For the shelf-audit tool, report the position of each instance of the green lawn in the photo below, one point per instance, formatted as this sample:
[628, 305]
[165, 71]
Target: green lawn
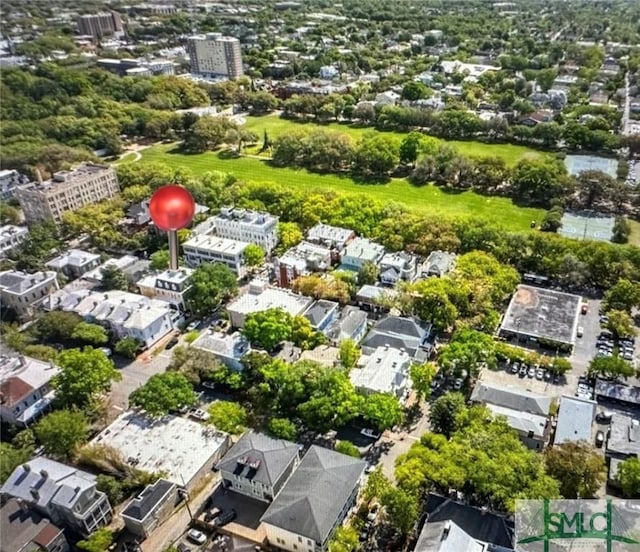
[634, 237]
[274, 125]
[428, 199]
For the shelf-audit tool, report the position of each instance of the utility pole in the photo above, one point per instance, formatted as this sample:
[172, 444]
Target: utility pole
[186, 495]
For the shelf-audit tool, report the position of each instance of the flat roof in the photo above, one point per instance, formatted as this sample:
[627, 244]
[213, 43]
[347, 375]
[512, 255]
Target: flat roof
[177, 446]
[575, 418]
[270, 298]
[215, 244]
[543, 313]
[624, 435]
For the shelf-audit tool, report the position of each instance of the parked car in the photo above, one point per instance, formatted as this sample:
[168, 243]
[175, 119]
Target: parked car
[370, 433]
[208, 385]
[599, 439]
[225, 517]
[523, 371]
[457, 384]
[531, 372]
[172, 343]
[199, 414]
[585, 308]
[183, 548]
[580, 332]
[196, 536]
[193, 326]
[515, 367]
[540, 373]
[604, 417]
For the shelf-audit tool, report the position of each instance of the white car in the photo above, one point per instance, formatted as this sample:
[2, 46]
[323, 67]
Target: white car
[370, 433]
[580, 331]
[199, 414]
[196, 536]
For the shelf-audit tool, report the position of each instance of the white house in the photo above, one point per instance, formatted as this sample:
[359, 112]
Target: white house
[359, 251]
[66, 495]
[25, 390]
[229, 349]
[575, 419]
[314, 501]
[261, 297]
[247, 226]
[389, 97]
[397, 266]
[22, 292]
[301, 260]
[74, 263]
[385, 371]
[169, 285]
[332, 237]
[205, 248]
[11, 236]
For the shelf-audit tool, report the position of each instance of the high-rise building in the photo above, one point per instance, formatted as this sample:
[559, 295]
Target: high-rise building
[214, 55]
[100, 24]
[67, 191]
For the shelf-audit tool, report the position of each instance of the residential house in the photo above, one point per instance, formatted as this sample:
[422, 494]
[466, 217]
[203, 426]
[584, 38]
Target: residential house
[25, 390]
[328, 72]
[314, 501]
[261, 297]
[384, 371]
[575, 420]
[326, 355]
[388, 97]
[151, 508]
[65, 495]
[74, 263]
[24, 530]
[321, 314]
[23, 292]
[332, 237]
[438, 263]
[397, 266]
[183, 449]
[228, 348]
[301, 260]
[139, 215]
[258, 466]
[352, 324]
[125, 314]
[11, 237]
[534, 119]
[10, 180]
[360, 251]
[408, 334]
[124, 263]
[205, 248]
[247, 226]
[456, 527]
[170, 286]
[375, 299]
[525, 411]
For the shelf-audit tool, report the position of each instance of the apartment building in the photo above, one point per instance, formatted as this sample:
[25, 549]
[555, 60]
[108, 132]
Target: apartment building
[11, 236]
[247, 226]
[21, 291]
[100, 24]
[214, 249]
[67, 191]
[215, 55]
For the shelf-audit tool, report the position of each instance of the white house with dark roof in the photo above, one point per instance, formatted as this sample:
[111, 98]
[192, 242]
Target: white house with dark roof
[397, 266]
[314, 501]
[384, 371]
[360, 251]
[438, 263]
[169, 285]
[11, 236]
[408, 334]
[25, 390]
[575, 420]
[321, 314]
[22, 291]
[228, 348]
[258, 466]
[332, 237]
[74, 263]
[352, 324]
[66, 495]
[150, 508]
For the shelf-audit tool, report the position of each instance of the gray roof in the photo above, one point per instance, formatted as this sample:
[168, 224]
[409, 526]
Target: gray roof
[446, 536]
[350, 321]
[511, 397]
[524, 422]
[575, 418]
[624, 435]
[273, 455]
[439, 262]
[141, 506]
[312, 500]
[401, 333]
[20, 527]
[42, 481]
[618, 392]
[317, 312]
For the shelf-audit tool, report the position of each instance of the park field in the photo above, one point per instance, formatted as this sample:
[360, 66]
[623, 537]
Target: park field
[427, 199]
[274, 125]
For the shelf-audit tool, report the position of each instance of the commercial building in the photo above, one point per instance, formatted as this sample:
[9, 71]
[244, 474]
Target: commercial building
[22, 292]
[185, 450]
[151, 508]
[261, 297]
[214, 249]
[100, 24]
[214, 55]
[65, 495]
[258, 466]
[575, 419]
[74, 263]
[314, 501]
[247, 226]
[24, 530]
[542, 315]
[25, 390]
[67, 191]
[10, 237]
[170, 286]
[385, 371]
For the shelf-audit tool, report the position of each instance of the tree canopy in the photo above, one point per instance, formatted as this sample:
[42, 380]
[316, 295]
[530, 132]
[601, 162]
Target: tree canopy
[578, 467]
[164, 393]
[62, 431]
[211, 284]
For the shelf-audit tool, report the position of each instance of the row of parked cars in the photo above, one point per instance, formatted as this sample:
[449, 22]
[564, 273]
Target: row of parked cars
[522, 369]
[606, 345]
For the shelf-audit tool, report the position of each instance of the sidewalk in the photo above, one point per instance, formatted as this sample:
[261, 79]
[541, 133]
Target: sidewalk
[171, 530]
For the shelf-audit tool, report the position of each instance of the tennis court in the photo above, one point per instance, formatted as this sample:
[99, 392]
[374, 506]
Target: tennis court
[578, 163]
[587, 227]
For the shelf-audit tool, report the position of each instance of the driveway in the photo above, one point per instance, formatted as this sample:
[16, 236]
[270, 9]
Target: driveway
[585, 347]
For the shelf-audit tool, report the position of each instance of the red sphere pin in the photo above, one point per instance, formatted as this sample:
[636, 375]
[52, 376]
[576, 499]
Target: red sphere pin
[172, 207]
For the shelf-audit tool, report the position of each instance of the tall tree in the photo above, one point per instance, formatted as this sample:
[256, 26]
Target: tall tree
[368, 274]
[402, 508]
[113, 278]
[345, 539]
[578, 467]
[164, 393]
[349, 353]
[61, 431]
[610, 367]
[629, 477]
[253, 255]
[282, 428]
[94, 334]
[421, 377]
[211, 284]
[620, 323]
[383, 410]
[624, 295]
[445, 413]
[228, 416]
[268, 328]
[84, 376]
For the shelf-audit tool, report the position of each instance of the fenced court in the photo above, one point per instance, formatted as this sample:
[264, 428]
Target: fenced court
[578, 163]
[584, 226]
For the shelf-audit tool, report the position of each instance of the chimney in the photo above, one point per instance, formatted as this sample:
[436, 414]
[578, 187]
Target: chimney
[35, 494]
[44, 474]
[26, 467]
[446, 529]
[22, 360]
